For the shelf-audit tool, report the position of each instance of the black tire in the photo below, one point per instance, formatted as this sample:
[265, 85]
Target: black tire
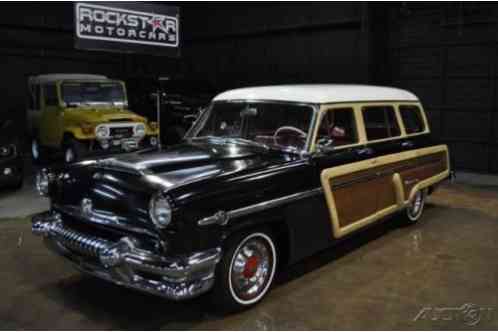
[73, 150]
[413, 212]
[18, 185]
[37, 152]
[225, 295]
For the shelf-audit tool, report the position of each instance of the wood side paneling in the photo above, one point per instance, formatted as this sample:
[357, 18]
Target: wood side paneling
[360, 194]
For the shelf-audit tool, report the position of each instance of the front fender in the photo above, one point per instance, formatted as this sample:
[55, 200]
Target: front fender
[77, 133]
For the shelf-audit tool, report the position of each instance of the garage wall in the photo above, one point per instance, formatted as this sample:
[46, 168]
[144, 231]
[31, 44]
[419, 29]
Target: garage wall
[251, 44]
[447, 54]
[37, 38]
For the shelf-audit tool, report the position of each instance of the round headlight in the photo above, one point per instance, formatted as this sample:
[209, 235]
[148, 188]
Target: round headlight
[43, 182]
[160, 211]
[140, 129]
[4, 151]
[102, 132]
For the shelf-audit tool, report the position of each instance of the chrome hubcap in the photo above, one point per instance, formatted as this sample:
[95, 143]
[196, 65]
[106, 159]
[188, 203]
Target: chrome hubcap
[416, 206]
[34, 149]
[251, 268]
[69, 155]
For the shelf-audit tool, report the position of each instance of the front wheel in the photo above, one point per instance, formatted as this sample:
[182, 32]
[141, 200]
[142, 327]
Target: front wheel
[415, 209]
[37, 153]
[246, 271]
[73, 150]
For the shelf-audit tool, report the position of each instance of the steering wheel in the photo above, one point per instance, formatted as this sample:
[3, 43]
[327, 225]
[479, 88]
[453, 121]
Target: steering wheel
[289, 128]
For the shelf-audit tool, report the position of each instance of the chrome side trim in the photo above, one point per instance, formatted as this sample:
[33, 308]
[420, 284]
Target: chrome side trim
[222, 217]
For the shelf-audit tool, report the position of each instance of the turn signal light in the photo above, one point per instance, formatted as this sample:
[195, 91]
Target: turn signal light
[87, 129]
[153, 125]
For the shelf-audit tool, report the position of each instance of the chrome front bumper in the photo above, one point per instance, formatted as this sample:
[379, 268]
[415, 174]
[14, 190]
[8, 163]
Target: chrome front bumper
[126, 264]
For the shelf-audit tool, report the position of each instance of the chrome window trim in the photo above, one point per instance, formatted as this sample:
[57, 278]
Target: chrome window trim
[222, 217]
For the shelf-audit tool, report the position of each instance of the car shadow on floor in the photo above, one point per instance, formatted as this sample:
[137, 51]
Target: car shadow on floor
[120, 308]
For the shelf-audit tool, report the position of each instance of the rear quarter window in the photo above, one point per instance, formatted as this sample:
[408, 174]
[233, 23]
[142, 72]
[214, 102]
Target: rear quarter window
[380, 122]
[412, 118]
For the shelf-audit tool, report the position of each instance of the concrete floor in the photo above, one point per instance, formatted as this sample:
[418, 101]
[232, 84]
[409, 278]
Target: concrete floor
[381, 279]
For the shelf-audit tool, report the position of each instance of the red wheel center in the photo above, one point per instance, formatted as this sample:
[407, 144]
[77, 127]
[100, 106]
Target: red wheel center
[251, 267]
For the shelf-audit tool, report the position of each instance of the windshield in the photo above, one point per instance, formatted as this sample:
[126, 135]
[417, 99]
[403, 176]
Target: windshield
[276, 125]
[75, 93]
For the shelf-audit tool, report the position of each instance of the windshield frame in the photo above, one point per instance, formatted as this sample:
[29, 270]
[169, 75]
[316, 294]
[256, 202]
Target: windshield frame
[92, 103]
[197, 125]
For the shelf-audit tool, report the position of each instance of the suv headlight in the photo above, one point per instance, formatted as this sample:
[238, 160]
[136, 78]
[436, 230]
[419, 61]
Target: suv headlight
[140, 129]
[6, 151]
[160, 211]
[102, 132]
[42, 181]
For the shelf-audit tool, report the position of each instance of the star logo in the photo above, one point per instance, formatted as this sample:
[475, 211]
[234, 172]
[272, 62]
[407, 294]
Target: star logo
[157, 23]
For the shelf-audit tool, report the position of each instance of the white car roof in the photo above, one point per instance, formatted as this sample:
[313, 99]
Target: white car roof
[318, 93]
[48, 78]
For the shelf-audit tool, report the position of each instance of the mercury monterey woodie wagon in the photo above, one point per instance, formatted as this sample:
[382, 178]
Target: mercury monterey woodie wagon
[265, 177]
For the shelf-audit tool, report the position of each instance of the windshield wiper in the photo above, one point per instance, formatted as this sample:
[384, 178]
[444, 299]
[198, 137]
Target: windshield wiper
[247, 142]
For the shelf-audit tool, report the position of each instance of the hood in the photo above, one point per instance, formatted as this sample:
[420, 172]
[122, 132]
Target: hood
[125, 183]
[100, 114]
[189, 162]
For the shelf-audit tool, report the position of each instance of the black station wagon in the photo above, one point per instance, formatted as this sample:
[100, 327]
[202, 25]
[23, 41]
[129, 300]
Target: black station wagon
[265, 177]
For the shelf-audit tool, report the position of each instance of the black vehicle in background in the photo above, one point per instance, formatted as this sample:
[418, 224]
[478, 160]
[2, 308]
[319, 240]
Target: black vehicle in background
[11, 163]
[181, 101]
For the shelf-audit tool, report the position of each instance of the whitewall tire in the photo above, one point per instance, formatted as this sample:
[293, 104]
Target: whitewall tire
[246, 272]
[415, 209]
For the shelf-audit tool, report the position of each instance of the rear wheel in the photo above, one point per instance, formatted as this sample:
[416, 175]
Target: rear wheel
[415, 209]
[246, 271]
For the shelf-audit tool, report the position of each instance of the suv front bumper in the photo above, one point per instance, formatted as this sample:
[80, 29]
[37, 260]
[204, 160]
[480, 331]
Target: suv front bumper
[126, 264]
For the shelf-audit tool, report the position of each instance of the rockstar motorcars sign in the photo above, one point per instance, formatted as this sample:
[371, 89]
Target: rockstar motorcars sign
[128, 27]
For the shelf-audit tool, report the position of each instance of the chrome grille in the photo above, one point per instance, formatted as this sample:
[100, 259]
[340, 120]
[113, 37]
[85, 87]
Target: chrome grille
[121, 132]
[84, 244]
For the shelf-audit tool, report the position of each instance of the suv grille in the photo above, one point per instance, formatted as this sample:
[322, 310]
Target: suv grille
[123, 132]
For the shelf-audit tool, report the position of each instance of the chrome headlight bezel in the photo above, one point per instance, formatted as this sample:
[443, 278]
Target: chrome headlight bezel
[42, 182]
[102, 132]
[139, 130]
[160, 211]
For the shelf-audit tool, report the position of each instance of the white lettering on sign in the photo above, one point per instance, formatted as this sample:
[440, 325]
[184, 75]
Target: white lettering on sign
[127, 26]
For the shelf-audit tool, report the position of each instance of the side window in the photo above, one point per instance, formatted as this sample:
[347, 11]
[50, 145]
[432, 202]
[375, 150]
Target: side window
[337, 128]
[380, 122]
[50, 93]
[412, 118]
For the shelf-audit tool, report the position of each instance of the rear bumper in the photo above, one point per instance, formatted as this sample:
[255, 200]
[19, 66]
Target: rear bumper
[126, 264]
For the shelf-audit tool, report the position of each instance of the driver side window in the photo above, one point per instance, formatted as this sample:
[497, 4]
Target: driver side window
[337, 128]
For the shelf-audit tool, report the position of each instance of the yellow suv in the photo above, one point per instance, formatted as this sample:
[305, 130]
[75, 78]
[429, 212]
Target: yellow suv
[79, 115]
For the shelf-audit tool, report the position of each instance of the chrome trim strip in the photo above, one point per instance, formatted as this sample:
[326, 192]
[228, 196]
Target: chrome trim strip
[100, 218]
[222, 217]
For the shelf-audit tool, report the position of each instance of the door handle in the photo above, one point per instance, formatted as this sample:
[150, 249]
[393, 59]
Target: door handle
[407, 144]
